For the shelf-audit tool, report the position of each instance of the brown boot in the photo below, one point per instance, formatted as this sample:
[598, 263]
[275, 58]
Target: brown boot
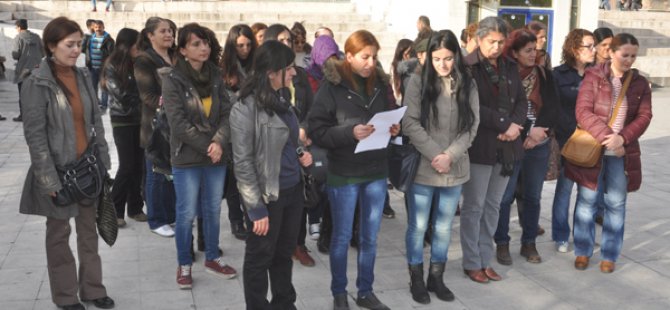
[581, 262]
[502, 254]
[302, 255]
[529, 251]
[606, 266]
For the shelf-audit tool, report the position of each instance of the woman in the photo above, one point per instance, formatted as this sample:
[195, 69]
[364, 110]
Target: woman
[325, 48]
[441, 122]
[268, 175]
[602, 37]
[352, 92]
[403, 52]
[578, 53]
[539, 29]
[125, 113]
[258, 30]
[238, 53]
[60, 119]
[197, 109]
[300, 98]
[502, 111]
[529, 172]
[300, 45]
[619, 171]
[157, 46]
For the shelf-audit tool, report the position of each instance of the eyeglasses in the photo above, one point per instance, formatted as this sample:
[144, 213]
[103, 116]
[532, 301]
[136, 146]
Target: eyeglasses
[589, 47]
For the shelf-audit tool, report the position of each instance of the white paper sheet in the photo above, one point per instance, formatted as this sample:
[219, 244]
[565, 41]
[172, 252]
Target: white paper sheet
[382, 121]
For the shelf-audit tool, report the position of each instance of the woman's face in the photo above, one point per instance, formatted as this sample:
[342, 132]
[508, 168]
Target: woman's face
[624, 57]
[541, 39]
[275, 77]
[491, 45]
[602, 49]
[259, 36]
[586, 52]
[406, 54]
[364, 61]
[67, 50]
[243, 47]
[197, 50]
[443, 61]
[526, 55]
[134, 51]
[299, 44]
[285, 38]
[162, 37]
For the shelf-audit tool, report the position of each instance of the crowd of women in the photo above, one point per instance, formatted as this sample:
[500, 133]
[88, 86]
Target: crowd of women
[241, 121]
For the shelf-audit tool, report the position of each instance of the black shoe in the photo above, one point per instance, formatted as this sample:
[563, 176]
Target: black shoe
[238, 230]
[371, 301]
[77, 306]
[2, 118]
[435, 282]
[103, 302]
[416, 285]
[340, 302]
[388, 212]
[17, 119]
[323, 244]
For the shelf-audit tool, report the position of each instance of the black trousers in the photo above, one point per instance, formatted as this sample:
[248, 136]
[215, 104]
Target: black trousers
[271, 254]
[128, 180]
[232, 195]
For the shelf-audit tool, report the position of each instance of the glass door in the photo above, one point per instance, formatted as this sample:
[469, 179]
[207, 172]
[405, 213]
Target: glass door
[518, 18]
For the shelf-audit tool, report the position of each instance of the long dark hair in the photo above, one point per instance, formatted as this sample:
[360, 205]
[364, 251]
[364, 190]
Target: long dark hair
[400, 49]
[432, 86]
[121, 58]
[271, 56]
[272, 33]
[55, 31]
[230, 59]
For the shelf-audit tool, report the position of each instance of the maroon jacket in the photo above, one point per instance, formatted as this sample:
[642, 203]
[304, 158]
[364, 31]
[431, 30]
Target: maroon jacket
[594, 105]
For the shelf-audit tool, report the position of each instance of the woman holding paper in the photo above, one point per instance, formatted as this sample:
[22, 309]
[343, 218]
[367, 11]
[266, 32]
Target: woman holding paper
[441, 122]
[353, 91]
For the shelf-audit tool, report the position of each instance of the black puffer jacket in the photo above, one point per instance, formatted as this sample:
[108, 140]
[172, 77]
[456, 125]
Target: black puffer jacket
[124, 102]
[336, 111]
[191, 132]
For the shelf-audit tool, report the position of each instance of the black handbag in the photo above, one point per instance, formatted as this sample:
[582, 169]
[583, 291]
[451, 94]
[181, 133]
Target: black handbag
[312, 191]
[158, 148]
[108, 227]
[403, 164]
[82, 180]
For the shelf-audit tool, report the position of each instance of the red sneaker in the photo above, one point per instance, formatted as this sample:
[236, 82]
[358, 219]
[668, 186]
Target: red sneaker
[220, 268]
[184, 280]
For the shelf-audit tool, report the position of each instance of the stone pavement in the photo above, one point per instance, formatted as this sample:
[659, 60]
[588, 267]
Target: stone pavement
[140, 268]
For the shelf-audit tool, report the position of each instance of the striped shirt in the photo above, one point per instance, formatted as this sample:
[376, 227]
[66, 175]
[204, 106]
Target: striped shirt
[96, 53]
[621, 116]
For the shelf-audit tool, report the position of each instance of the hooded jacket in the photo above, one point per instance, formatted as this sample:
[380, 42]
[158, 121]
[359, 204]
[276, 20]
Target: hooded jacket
[336, 111]
[593, 111]
[28, 52]
[191, 131]
[48, 127]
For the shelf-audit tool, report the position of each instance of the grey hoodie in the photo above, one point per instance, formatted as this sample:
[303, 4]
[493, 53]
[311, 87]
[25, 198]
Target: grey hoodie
[28, 52]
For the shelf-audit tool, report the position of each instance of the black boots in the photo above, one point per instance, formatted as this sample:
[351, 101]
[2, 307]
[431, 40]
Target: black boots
[435, 282]
[416, 285]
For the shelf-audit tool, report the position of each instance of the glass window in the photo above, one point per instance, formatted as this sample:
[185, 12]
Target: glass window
[473, 12]
[534, 3]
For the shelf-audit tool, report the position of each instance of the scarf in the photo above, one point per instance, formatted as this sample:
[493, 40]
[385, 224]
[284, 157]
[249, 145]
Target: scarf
[531, 85]
[202, 80]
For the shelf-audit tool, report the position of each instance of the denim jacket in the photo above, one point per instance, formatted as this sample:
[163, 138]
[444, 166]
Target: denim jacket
[258, 140]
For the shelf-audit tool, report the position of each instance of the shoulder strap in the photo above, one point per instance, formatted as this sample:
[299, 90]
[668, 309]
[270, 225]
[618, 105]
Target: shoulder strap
[619, 100]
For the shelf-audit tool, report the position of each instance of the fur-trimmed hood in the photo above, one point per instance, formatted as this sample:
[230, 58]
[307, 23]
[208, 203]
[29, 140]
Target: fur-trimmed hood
[331, 72]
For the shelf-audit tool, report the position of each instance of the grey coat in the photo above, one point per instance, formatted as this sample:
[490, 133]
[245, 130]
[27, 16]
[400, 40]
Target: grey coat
[48, 127]
[443, 138]
[28, 53]
[258, 140]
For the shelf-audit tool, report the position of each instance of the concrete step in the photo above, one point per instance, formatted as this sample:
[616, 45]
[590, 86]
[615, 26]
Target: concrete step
[656, 66]
[656, 51]
[633, 15]
[636, 31]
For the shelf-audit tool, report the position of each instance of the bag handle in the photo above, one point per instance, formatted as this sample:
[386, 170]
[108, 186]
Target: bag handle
[619, 100]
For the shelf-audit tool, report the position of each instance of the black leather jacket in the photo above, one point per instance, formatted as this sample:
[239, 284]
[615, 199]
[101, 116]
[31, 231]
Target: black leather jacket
[124, 102]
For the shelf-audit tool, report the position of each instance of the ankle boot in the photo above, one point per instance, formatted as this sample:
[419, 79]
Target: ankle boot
[201, 236]
[436, 283]
[416, 285]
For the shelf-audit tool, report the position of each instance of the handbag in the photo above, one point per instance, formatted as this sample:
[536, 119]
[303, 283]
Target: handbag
[582, 149]
[108, 227]
[403, 164]
[312, 191]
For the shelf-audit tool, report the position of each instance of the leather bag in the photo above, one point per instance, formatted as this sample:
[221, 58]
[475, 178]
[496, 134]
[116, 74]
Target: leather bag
[108, 227]
[403, 164]
[582, 149]
[81, 180]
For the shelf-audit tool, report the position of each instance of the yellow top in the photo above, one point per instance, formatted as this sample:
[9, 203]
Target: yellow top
[207, 105]
[291, 89]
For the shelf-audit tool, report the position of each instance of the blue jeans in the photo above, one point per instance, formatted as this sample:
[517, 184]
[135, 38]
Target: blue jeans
[614, 185]
[95, 78]
[109, 3]
[159, 196]
[370, 196]
[532, 170]
[560, 210]
[420, 200]
[193, 186]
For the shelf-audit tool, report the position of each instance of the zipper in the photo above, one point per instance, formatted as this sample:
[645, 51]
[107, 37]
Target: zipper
[367, 105]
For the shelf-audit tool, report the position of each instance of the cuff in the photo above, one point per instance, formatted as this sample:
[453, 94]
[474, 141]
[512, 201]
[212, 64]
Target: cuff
[257, 213]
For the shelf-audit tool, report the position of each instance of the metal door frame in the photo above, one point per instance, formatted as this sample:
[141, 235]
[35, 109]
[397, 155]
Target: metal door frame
[529, 12]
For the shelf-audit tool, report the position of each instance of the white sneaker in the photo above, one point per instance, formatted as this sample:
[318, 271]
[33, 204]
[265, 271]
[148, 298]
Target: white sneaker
[164, 231]
[315, 231]
[562, 246]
